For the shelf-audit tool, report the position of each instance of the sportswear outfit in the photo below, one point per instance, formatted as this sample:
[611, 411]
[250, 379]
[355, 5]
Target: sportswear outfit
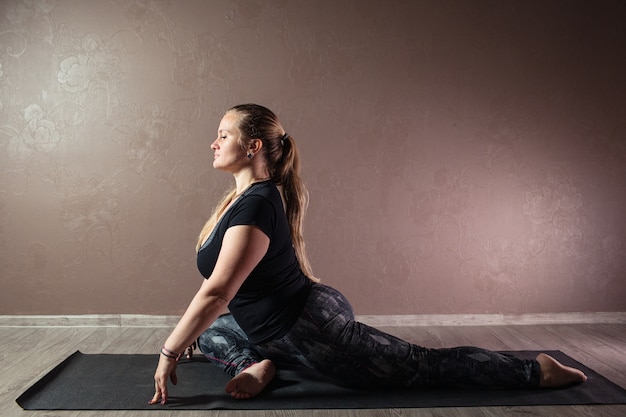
[280, 314]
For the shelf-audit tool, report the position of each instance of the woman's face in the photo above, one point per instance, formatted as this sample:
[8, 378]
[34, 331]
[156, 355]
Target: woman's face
[228, 154]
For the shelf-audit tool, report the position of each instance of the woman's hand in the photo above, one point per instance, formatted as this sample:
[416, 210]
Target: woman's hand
[166, 369]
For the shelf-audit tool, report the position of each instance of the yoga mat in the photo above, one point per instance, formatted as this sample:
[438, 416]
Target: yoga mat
[125, 382]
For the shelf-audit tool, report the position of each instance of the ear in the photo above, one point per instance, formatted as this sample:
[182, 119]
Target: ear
[255, 145]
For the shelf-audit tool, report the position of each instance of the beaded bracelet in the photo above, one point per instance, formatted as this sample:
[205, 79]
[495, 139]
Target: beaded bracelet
[169, 354]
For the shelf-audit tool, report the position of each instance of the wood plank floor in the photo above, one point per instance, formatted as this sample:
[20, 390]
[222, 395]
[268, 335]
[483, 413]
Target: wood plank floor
[28, 353]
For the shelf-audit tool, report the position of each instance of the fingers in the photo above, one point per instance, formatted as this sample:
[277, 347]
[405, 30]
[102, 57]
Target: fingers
[190, 350]
[156, 398]
[159, 394]
[160, 391]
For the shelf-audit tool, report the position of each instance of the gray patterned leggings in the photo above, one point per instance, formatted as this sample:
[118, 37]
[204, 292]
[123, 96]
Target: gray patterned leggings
[326, 338]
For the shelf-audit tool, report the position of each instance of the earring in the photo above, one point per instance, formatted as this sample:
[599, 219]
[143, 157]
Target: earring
[250, 155]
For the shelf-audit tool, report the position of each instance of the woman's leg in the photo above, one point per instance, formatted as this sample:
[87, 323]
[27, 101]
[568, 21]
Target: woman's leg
[226, 345]
[328, 339]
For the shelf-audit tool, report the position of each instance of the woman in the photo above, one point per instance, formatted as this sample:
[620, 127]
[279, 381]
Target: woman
[252, 253]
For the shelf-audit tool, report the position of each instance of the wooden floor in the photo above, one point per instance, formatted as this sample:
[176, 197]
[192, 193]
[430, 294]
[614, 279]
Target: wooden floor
[27, 353]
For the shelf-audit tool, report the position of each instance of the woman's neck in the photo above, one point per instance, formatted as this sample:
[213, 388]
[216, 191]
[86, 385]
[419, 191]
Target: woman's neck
[243, 180]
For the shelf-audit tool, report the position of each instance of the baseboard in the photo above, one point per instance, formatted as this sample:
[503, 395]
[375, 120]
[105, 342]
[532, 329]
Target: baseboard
[495, 319]
[137, 320]
[89, 320]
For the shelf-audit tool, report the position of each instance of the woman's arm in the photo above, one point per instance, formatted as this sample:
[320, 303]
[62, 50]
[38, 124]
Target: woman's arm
[243, 247]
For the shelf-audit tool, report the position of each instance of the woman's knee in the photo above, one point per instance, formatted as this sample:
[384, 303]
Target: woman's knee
[224, 332]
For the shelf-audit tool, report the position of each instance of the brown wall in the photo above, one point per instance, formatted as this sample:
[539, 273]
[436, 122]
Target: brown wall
[462, 156]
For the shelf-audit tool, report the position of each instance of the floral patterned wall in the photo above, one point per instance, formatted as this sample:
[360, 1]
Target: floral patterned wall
[462, 156]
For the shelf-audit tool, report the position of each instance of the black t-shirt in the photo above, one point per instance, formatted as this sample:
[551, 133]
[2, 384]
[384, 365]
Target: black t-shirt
[272, 297]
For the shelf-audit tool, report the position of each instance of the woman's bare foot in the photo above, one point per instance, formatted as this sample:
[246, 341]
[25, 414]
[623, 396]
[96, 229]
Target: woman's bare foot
[251, 381]
[555, 374]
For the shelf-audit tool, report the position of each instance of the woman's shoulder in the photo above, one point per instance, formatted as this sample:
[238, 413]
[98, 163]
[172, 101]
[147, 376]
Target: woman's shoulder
[261, 207]
[264, 194]
[267, 189]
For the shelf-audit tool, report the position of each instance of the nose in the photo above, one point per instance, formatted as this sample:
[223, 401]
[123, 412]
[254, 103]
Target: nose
[214, 144]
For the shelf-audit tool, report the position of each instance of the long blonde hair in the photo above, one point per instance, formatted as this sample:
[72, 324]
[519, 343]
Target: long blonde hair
[283, 163]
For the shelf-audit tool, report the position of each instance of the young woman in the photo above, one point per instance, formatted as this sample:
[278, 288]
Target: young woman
[252, 254]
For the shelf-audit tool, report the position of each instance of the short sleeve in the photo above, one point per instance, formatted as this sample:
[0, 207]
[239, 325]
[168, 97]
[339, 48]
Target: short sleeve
[255, 210]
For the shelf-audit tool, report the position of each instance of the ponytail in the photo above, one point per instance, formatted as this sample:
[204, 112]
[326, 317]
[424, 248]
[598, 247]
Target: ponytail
[287, 174]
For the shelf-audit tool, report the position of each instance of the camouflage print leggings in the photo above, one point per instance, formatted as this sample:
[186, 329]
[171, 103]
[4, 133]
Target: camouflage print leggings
[327, 339]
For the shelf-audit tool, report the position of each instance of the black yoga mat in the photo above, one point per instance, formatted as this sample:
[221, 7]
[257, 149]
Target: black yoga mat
[124, 382]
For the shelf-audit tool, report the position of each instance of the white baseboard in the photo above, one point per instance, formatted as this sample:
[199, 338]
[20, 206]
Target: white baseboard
[137, 320]
[494, 319]
[89, 320]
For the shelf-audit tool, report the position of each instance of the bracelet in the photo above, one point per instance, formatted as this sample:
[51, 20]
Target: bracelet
[169, 354]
